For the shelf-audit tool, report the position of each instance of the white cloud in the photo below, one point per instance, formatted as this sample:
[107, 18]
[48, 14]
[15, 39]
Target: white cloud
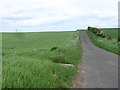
[48, 13]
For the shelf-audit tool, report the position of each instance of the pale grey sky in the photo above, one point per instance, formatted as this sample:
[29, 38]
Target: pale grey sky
[50, 15]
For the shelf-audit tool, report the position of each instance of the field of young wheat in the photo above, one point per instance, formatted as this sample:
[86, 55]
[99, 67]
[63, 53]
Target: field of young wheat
[36, 60]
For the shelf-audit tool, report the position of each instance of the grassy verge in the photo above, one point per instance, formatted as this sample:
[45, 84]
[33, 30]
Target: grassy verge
[30, 63]
[109, 45]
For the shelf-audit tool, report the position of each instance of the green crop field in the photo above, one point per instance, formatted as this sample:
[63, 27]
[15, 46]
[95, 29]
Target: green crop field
[38, 40]
[34, 60]
[113, 32]
[110, 45]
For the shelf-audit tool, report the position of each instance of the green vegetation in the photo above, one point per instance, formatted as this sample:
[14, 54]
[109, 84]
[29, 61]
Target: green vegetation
[0, 60]
[33, 60]
[113, 32]
[110, 44]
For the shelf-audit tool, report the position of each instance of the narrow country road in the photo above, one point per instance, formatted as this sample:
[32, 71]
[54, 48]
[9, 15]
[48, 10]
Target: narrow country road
[100, 67]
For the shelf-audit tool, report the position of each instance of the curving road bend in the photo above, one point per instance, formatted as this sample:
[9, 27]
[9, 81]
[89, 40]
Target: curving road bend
[100, 66]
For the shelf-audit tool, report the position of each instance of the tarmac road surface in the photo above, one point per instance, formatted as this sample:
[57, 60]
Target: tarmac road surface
[100, 66]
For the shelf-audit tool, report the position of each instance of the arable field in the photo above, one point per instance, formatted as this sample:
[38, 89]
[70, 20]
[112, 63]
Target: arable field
[113, 32]
[35, 60]
[110, 45]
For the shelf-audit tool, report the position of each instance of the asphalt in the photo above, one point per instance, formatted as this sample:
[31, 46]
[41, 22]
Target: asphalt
[100, 67]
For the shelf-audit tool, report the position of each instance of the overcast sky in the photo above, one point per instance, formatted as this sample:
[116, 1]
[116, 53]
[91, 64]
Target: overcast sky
[50, 15]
